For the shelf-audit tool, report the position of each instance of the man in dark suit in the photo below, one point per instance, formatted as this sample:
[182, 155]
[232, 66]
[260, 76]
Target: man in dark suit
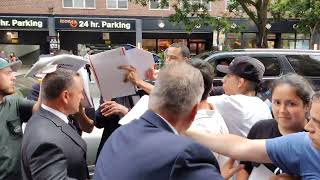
[151, 147]
[51, 147]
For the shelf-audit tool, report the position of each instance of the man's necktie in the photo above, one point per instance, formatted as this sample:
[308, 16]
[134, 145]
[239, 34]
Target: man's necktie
[71, 124]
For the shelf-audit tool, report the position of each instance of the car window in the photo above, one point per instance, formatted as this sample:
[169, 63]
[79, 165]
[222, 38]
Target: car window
[271, 64]
[222, 61]
[305, 65]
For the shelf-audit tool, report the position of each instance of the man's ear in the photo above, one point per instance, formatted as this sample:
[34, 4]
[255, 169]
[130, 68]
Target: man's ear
[241, 82]
[307, 108]
[65, 96]
[193, 112]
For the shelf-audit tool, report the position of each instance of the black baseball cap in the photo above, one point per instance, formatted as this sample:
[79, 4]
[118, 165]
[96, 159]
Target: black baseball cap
[246, 67]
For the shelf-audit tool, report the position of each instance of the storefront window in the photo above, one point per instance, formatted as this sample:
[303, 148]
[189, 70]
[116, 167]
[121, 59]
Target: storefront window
[163, 44]
[303, 36]
[287, 44]
[149, 45]
[290, 41]
[302, 44]
[156, 5]
[303, 41]
[287, 36]
[182, 41]
[234, 40]
[249, 40]
[79, 4]
[193, 48]
[117, 4]
[196, 46]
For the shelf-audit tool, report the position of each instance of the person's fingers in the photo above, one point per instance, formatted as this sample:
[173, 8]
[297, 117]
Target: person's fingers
[115, 108]
[104, 110]
[229, 163]
[111, 111]
[127, 67]
[106, 105]
[133, 68]
[236, 169]
[232, 171]
[131, 77]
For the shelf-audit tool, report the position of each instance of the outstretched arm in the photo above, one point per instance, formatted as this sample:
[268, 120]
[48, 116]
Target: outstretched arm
[233, 146]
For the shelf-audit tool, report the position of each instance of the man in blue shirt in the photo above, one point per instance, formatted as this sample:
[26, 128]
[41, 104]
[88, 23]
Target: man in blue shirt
[296, 154]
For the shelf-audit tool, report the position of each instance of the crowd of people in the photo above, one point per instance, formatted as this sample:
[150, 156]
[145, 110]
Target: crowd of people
[183, 134]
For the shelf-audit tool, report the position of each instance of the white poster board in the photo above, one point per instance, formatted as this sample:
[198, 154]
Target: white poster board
[110, 78]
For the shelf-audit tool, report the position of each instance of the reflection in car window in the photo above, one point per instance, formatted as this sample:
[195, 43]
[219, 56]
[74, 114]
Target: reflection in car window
[271, 64]
[305, 65]
[222, 61]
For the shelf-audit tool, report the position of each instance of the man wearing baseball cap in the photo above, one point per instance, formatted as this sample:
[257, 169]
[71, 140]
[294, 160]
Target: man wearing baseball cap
[239, 106]
[14, 110]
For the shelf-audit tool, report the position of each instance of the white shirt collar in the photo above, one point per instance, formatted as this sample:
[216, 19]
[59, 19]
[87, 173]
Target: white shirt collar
[172, 128]
[57, 113]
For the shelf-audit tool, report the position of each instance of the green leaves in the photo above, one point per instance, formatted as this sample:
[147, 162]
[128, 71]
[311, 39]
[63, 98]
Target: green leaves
[308, 11]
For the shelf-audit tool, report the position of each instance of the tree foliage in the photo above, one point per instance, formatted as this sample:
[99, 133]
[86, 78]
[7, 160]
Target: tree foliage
[257, 11]
[194, 13]
[307, 11]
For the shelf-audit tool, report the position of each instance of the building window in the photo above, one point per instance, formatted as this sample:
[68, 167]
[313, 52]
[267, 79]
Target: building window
[79, 3]
[204, 3]
[234, 40]
[232, 4]
[249, 40]
[149, 45]
[117, 4]
[295, 41]
[156, 5]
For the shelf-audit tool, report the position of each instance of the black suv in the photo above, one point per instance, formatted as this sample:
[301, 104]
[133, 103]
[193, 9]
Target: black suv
[276, 61]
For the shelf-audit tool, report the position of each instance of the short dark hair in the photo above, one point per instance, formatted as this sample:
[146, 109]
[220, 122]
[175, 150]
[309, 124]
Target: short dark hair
[184, 49]
[53, 84]
[253, 86]
[303, 88]
[207, 73]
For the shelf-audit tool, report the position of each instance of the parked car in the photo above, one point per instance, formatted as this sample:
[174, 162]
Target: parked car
[276, 61]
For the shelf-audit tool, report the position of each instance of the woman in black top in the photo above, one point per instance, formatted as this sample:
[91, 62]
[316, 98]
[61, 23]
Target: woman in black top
[291, 95]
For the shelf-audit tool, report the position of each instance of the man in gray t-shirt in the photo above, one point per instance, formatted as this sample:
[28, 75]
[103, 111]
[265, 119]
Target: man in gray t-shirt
[14, 111]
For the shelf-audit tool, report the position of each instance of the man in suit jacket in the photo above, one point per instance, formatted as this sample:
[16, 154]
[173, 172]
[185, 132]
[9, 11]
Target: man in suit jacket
[51, 147]
[150, 147]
